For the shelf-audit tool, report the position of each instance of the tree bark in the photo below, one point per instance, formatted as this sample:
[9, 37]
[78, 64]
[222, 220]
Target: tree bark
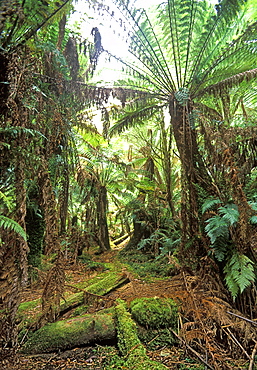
[103, 232]
[196, 178]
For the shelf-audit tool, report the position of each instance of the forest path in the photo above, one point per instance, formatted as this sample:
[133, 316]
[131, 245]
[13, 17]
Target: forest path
[203, 312]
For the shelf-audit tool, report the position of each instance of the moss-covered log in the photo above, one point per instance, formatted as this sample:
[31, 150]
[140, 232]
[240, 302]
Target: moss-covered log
[129, 344]
[67, 334]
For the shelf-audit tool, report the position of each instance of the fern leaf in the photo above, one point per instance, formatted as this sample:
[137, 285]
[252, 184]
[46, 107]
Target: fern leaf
[8, 223]
[209, 203]
[230, 213]
[253, 220]
[239, 273]
[217, 227]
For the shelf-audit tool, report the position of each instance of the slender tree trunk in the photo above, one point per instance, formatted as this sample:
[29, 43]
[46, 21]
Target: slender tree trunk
[9, 295]
[103, 233]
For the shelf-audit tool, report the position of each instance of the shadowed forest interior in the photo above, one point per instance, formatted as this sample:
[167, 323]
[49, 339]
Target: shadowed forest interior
[128, 187]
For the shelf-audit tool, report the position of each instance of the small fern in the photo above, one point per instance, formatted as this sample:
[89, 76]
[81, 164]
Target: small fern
[217, 227]
[239, 274]
[230, 213]
[209, 203]
[8, 223]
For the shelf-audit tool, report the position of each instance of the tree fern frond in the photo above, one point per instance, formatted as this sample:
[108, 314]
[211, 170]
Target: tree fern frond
[14, 131]
[8, 223]
[230, 82]
[253, 220]
[5, 200]
[135, 117]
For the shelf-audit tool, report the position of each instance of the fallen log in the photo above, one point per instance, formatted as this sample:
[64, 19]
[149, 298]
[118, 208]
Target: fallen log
[132, 350]
[67, 334]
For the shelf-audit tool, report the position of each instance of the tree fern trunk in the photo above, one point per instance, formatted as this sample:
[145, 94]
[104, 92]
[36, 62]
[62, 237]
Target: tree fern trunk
[103, 233]
[195, 178]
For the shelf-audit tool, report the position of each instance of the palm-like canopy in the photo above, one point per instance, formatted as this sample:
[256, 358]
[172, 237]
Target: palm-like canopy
[191, 45]
[189, 54]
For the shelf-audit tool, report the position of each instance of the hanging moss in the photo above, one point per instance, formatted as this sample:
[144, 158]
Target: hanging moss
[155, 312]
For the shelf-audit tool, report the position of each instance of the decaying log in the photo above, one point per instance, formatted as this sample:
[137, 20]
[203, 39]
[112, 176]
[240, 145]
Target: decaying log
[72, 333]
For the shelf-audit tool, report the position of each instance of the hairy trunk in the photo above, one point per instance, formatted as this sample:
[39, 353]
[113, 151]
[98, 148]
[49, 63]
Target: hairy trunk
[195, 180]
[49, 206]
[9, 294]
[64, 200]
[103, 233]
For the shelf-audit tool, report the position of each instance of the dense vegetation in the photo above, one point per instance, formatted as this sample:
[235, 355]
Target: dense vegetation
[161, 162]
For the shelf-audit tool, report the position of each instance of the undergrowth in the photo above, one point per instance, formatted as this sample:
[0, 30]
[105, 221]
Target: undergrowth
[146, 265]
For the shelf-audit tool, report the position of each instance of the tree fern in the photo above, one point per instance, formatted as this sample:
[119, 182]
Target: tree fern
[8, 223]
[239, 274]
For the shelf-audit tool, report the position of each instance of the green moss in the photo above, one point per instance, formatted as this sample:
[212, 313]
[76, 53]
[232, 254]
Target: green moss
[129, 343]
[155, 312]
[28, 306]
[156, 338]
[28, 312]
[71, 333]
[146, 265]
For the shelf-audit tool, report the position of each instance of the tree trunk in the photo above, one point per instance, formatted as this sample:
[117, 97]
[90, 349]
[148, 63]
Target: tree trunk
[64, 199]
[103, 233]
[196, 181]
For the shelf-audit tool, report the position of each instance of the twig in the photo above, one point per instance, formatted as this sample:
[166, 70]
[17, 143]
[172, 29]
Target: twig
[243, 318]
[237, 342]
[192, 350]
[252, 357]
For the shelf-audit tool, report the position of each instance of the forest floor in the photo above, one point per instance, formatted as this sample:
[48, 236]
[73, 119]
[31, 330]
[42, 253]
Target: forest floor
[205, 326]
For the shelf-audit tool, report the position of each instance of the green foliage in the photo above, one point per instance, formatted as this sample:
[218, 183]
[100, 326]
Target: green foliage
[145, 265]
[209, 204]
[239, 273]
[8, 223]
[218, 228]
[229, 213]
[239, 270]
[25, 18]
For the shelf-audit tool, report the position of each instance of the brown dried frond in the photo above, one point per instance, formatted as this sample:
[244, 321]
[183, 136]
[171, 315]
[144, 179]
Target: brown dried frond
[53, 292]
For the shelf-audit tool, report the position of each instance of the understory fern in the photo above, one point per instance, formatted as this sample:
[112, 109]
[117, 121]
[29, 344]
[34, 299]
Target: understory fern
[8, 223]
[239, 269]
[218, 228]
[239, 273]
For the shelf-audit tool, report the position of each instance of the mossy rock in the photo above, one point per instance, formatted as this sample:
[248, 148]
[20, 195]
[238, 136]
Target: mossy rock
[155, 312]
